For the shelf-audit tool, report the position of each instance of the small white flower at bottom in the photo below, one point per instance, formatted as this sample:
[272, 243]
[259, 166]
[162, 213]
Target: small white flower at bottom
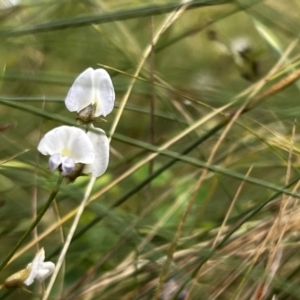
[39, 269]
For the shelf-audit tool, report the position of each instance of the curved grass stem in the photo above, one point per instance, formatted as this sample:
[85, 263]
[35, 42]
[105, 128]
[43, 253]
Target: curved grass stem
[69, 237]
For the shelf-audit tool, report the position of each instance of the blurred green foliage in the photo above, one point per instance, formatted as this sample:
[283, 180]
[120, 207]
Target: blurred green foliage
[211, 52]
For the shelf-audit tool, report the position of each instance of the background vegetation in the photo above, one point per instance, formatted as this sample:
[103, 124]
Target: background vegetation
[200, 200]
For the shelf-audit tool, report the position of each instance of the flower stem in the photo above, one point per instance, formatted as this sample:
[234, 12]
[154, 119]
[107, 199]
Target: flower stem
[34, 223]
[70, 236]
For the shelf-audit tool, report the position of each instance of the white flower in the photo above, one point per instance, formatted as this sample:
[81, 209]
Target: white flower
[240, 45]
[70, 146]
[67, 146]
[7, 4]
[101, 143]
[39, 269]
[93, 89]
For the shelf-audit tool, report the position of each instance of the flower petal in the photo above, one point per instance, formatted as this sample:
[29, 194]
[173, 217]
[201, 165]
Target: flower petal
[68, 165]
[101, 146]
[54, 161]
[53, 141]
[81, 93]
[68, 141]
[104, 93]
[45, 270]
[34, 266]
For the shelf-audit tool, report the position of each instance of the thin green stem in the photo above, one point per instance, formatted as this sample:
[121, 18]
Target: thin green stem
[120, 15]
[34, 223]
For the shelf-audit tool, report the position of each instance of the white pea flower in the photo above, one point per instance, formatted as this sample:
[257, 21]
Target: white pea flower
[240, 45]
[91, 95]
[245, 58]
[101, 145]
[39, 269]
[67, 146]
[72, 151]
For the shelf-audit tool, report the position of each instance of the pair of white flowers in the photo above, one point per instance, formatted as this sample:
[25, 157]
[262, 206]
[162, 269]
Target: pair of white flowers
[74, 151]
[71, 149]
